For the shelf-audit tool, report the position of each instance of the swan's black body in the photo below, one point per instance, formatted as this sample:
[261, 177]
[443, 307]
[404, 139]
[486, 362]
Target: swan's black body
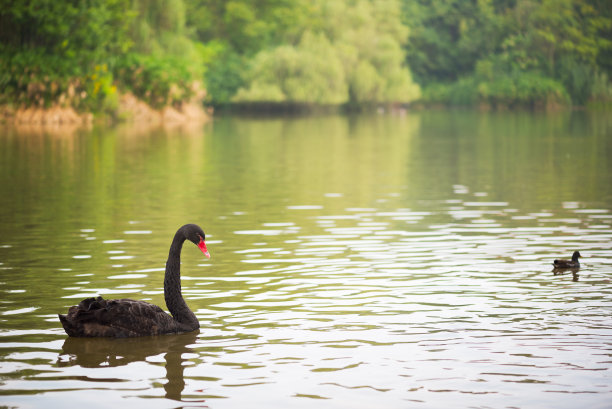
[568, 264]
[97, 317]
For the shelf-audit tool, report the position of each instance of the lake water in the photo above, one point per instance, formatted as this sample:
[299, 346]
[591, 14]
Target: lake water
[375, 261]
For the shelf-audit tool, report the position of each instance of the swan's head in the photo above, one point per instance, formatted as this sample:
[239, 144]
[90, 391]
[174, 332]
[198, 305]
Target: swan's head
[195, 234]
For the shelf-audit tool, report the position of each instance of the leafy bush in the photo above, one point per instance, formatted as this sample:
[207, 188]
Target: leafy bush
[601, 92]
[518, 89]
[353, 55]
[158, 80]
[514, 52]
[578, 79]
[31, 78]
[99, 91]
[309, 73]
[73, 53]
[224, 72]
[462, 92]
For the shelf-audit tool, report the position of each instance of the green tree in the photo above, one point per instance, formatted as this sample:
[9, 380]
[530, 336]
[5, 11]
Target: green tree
[559, 38]
[309, 73]
[352, 54]
[519, 52]
[89, 33]
[233, 31]
[60, 51]
[247, 26]
[447, 37]
[165, 66]
[75, 52]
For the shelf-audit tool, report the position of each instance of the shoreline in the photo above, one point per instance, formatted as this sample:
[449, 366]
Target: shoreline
[130, 110]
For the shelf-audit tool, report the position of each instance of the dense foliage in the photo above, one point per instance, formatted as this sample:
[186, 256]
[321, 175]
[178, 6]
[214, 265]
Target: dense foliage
[499, 53]
[523, 52]
[324, 52]
[354, 55]
[76, 53]
[60, 51]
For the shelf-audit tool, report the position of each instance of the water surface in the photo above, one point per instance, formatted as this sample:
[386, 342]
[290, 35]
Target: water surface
[357, 261]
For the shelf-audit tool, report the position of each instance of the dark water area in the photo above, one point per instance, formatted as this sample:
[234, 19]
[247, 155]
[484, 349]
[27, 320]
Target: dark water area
[366, 261]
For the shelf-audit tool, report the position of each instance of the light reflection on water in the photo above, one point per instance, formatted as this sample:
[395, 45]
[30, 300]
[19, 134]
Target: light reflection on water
[395, 293]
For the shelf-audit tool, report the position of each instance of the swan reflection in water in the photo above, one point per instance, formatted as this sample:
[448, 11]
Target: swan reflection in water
[113, 352]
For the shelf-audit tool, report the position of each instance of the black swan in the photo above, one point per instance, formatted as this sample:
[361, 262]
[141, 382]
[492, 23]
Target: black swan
[97, 317]
[573, 263]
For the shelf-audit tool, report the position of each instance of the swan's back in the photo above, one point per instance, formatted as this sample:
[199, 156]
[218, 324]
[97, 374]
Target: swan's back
[97, 317]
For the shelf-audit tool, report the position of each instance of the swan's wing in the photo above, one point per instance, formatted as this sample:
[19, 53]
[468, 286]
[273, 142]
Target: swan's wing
[97, 317]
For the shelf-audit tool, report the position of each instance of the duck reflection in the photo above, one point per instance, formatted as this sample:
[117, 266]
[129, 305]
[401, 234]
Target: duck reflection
[104, 352]
[562, 271]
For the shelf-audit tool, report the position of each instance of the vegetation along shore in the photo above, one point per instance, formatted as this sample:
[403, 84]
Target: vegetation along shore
[165, 60]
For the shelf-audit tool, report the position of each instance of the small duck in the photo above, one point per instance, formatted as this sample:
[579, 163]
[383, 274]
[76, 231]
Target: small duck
[573, 263]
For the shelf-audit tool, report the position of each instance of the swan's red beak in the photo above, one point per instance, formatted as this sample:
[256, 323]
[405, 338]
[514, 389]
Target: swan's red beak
[202, 247]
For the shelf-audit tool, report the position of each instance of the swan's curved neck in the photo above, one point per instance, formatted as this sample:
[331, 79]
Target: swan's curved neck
[172, 285]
